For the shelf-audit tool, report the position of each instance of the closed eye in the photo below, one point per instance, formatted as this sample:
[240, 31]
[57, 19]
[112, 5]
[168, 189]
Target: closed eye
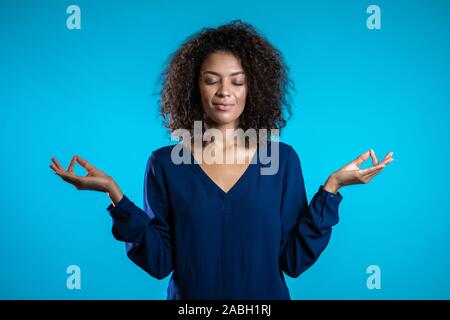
[214, 82]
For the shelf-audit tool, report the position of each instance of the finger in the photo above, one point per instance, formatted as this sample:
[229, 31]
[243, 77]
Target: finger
[374, 157]
[69, 178]
[361, 158]
[62, 174]
[54, 168]
[388, 156]
[368, 179]
[367, 171]
[370, 175]
[72, 164]
[388, 161]
[84, 163]
[366, 174]
[58, 165]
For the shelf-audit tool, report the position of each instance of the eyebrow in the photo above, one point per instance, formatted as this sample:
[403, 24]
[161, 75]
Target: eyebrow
[218, 74]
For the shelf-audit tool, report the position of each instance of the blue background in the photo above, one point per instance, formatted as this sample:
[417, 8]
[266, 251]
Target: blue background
[89, 92]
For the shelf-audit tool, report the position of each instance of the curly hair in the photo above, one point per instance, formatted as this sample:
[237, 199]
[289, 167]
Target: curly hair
[268, 97]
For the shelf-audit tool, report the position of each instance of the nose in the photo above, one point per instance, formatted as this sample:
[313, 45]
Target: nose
[223, 90]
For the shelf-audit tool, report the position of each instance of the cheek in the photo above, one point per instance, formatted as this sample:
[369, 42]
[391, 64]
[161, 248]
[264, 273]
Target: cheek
[241, 95]
[204, 90]
[208, 93]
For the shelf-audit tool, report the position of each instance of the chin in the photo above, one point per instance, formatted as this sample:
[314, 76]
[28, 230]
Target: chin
[222, 120]
[223, 117]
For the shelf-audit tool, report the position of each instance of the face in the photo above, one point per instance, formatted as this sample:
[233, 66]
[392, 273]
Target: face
[223, 88]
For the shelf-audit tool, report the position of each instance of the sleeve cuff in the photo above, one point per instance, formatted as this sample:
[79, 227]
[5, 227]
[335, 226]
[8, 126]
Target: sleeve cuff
[120, 210]
[329, 196]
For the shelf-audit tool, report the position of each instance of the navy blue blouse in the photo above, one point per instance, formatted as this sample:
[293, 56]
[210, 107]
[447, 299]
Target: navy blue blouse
[225, 245]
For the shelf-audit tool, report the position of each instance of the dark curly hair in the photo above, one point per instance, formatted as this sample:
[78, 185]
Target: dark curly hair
[268, 97]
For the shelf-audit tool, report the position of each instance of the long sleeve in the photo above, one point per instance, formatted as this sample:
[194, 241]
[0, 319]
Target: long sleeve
[148, 233]
[306, 229]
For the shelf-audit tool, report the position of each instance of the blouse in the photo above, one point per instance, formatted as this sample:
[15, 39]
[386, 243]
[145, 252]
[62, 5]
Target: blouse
[225, 245]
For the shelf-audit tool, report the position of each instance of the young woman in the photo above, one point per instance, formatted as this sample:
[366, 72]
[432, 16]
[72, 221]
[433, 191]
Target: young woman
[226, 230]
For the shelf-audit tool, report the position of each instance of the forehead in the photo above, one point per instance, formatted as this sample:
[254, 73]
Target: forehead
[222, 62]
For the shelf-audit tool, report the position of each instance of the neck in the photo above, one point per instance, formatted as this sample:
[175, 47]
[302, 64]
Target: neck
[227, 130]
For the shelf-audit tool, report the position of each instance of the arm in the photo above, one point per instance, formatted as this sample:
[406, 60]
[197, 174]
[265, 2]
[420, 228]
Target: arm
[306, 229]
[148, 233]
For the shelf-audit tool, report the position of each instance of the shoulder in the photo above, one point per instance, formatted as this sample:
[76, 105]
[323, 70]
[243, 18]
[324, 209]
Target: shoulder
[163, 152]
[286, 151]
[288, 158]
[279, 158]
[160, 157]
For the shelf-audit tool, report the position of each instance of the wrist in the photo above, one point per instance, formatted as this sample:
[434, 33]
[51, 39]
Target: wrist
[331, 185]
[114, 192]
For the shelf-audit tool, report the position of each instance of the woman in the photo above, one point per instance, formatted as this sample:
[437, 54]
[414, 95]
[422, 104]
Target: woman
[226, 230]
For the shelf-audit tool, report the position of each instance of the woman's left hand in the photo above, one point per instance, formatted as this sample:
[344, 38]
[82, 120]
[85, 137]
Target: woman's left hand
[352, 174]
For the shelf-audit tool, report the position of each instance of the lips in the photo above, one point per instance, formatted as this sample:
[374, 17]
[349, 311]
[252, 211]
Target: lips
[223, 106]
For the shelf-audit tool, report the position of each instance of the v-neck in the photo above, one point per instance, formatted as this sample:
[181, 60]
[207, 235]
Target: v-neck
[208, 180]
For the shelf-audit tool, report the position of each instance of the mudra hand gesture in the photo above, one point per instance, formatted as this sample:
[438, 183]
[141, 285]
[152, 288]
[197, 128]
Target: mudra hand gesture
[95, 179]
[352, 174]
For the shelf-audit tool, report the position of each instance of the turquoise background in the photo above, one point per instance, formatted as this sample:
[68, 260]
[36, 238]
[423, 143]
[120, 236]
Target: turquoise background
[89, 92]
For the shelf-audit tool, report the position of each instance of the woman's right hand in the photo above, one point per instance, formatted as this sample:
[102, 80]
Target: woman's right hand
[95, 179]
